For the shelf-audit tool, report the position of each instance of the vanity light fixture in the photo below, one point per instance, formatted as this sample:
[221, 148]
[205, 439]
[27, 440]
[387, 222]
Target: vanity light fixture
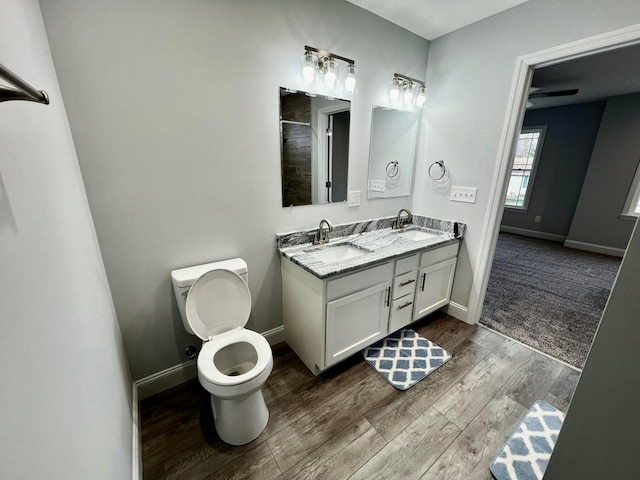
[321, 68]
[407, 91]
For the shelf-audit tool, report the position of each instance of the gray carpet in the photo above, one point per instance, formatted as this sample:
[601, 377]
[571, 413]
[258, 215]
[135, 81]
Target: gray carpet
[548, 296]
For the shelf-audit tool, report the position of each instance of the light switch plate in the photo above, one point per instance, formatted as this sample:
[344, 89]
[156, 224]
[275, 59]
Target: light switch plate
[463, 194]
[354, 198]
[377, 186]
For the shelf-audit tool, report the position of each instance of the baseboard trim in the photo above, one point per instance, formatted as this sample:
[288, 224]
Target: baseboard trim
[164, 380]
[136, 441]
[275, 335]
[457, 311]
[533, 233]
[592, 247]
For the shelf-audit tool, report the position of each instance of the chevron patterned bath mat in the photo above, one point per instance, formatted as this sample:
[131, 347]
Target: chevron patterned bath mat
[527, 452]
[405, 357]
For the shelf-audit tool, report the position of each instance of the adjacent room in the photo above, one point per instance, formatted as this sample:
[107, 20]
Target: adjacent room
[571, 204]
[254, 239]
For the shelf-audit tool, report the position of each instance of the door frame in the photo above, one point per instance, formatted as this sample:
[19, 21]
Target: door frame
[516, 107]
[323, 164]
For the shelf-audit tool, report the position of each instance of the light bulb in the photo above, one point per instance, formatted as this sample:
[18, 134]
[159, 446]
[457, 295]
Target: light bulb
[330, 73]
[308, 68]
[421, 98]
[407, 94]
[394, 92]
[350, 80]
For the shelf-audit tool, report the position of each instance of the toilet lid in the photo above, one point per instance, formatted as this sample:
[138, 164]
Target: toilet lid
[218, 301]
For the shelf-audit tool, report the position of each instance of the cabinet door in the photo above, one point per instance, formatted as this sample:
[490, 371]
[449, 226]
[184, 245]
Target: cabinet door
[434, 287]
[356, 321]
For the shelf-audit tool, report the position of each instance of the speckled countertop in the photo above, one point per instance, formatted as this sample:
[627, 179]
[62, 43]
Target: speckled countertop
[375, 238]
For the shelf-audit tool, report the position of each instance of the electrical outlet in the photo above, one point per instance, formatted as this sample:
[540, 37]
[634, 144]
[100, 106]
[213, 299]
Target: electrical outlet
[377, 186]
[463, 194]
[354, 198]
[537, 219]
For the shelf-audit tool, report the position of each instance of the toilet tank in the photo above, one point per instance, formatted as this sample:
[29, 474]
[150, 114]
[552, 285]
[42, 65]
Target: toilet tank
[183, 278]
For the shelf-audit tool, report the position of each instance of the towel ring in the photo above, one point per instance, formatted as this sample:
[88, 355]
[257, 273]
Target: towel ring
[433, 176]
[393, 169]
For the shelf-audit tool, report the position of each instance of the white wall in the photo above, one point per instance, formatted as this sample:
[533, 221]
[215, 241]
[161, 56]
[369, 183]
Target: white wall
[469, 78]
[65, 407]
[174, 111]
[611, 170]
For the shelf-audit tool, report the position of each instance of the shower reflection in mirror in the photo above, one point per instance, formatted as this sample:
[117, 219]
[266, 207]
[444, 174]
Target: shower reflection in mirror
[394, 135]
[314, 148]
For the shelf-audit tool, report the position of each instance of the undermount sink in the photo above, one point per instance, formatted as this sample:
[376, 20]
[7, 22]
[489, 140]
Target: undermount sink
[336, 253]
[416, 235]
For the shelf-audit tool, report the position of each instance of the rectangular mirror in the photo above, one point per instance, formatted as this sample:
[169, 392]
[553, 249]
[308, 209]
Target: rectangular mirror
[394, 139]
[314, 148]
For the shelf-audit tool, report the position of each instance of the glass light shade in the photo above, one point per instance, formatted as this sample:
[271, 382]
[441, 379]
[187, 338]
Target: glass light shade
[421, 98]
[330, 73]
[350, 79]
[408, 95]
[394, 91]
[308, 68]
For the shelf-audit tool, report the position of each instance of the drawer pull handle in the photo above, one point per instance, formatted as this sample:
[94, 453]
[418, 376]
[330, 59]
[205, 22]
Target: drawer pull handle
[407, 282]
[405, 305]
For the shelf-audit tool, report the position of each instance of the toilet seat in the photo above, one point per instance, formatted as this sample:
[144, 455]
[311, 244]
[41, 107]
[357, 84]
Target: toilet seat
[217, 302]
[208, 369]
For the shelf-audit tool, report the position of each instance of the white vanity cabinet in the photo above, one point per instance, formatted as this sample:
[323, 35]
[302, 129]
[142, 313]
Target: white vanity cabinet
[326, 321]
[435, 279]
[404, 289]
[356, 320]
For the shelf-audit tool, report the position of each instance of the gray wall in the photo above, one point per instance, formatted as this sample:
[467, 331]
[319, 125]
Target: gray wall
[65, 407]
[564, 158]
[469, 76]
[599, 438]
[608, 180]
[174, 111]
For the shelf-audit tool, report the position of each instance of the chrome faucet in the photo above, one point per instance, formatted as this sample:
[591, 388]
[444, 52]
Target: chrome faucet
[399, 223]
[322, 235]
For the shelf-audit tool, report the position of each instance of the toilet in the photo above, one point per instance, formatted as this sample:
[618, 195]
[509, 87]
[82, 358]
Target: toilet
[234, 362]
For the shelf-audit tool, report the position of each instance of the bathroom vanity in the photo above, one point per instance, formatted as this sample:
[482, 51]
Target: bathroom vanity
[341, 297]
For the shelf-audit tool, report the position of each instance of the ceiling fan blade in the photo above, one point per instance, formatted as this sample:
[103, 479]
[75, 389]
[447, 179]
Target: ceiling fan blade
[557, 93]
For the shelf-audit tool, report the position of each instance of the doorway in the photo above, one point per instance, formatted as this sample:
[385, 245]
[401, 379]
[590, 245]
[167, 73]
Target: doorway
[515, 114]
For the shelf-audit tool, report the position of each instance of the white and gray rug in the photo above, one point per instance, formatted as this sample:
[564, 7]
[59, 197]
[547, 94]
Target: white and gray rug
[548, 296]
[405, 357]
[527, 452]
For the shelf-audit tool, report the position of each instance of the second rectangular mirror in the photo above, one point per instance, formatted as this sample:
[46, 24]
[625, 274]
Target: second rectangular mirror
[394, 136]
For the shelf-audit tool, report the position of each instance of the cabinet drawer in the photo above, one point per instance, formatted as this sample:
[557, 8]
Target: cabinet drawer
[401, 313]
[404, 284]
[357, 281]
[406, 264]
[438, 255]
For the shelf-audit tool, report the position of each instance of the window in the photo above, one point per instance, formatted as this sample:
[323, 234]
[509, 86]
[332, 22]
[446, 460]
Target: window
[631, 208]
[523, 169]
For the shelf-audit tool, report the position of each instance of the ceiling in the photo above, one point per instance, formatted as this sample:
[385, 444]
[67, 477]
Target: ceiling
[598, 77]
[433, 18]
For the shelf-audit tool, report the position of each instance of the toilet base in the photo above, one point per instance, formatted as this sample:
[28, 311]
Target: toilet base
[240, 420]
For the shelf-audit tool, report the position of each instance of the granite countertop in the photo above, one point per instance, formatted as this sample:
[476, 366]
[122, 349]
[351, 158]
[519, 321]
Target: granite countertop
[379, 244]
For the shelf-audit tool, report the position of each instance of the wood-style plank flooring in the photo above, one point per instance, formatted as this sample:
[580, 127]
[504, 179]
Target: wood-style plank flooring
[349, 423]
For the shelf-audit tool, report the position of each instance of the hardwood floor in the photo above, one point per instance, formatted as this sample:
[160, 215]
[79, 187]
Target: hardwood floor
[349, 423]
